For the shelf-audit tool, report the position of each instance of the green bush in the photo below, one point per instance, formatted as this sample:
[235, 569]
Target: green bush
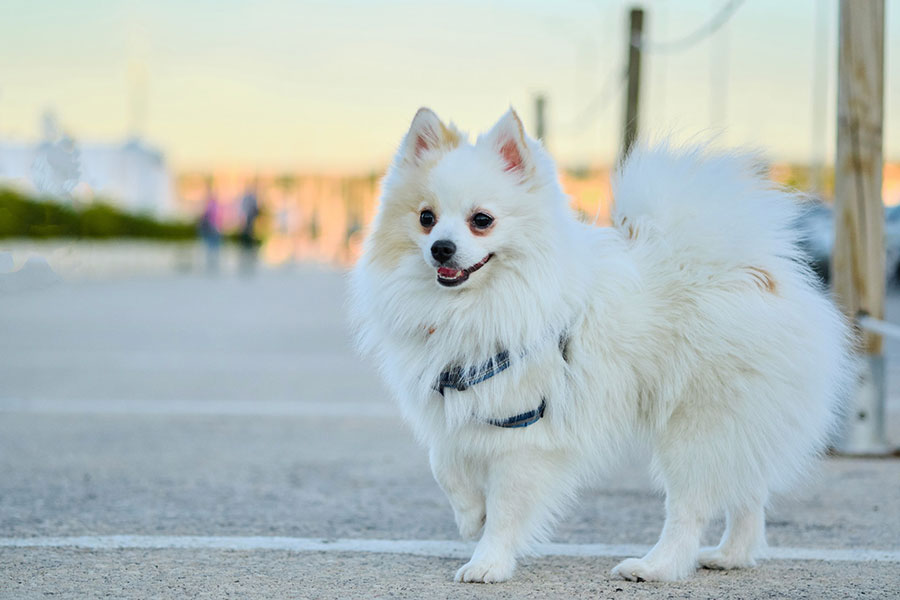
[25, 217]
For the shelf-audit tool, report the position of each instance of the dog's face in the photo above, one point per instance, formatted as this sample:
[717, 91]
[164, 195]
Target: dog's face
[466, 209]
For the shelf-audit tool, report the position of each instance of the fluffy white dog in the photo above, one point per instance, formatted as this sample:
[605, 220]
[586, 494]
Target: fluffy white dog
[529, 350]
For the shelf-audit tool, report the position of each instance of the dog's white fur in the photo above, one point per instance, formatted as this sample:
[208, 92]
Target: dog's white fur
[691, 326]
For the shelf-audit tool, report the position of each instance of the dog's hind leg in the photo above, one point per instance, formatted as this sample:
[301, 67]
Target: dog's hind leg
[525, 493]
[744, 537]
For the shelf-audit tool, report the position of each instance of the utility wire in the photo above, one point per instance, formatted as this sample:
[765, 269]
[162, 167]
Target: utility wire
[706, 30]
[613, 84]
[618, 76]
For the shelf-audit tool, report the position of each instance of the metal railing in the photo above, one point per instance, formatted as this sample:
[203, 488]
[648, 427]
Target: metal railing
[863, 433]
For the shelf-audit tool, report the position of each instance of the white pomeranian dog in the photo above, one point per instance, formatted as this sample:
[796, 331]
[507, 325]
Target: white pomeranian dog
[529, 350]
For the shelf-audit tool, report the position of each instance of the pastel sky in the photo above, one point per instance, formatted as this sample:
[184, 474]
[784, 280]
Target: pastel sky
[278, 84]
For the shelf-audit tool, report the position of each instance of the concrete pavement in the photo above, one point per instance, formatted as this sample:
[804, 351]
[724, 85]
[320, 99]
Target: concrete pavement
[186, 407]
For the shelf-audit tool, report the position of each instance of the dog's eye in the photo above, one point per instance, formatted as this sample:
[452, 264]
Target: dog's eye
[426, 219]
[482, 220]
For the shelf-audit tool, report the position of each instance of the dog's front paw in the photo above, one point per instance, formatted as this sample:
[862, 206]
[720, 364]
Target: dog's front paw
[486, 571]
[469, 523]
[714, 558]
[641, 569]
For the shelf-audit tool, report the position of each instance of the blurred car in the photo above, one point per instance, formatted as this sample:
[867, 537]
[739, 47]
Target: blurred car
[816, 226]
[892, 243]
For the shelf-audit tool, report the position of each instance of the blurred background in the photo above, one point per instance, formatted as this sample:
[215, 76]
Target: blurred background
[267, 126]
[182, 188]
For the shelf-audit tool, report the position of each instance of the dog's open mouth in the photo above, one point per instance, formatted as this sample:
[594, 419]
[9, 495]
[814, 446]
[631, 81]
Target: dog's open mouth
[450, 277]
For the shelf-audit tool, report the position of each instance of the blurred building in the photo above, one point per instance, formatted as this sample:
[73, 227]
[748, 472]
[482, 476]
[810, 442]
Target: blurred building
[129, 174]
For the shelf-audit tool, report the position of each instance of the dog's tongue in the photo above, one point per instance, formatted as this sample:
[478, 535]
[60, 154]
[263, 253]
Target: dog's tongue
[448, 273]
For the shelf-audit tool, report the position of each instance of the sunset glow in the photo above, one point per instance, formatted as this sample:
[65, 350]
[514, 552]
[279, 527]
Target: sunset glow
[331, 86]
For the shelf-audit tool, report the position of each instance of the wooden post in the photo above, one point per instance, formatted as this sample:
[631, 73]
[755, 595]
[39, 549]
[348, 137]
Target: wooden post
[859, 255]
[635, 37]
[540, 101]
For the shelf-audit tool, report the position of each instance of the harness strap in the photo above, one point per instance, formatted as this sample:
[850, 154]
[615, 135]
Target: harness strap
[460, 379]
[524, 420]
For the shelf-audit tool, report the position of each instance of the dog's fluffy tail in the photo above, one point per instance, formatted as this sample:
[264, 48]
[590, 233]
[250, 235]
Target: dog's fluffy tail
[718, 207]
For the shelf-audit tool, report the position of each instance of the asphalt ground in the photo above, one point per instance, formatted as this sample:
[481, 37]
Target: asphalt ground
[197, 436]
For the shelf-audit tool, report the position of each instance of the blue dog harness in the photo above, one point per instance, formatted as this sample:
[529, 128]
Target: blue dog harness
[524, 420]
[460, 379]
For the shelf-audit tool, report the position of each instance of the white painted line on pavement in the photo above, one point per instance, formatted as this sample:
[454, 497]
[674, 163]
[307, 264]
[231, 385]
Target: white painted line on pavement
[441, 548]
[264, 408]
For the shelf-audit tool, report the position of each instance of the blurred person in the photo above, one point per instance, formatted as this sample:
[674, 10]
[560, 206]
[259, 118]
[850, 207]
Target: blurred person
[211, 227]
[249, 214]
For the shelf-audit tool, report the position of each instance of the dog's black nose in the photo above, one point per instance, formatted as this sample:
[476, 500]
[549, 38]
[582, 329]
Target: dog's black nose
[443, 250]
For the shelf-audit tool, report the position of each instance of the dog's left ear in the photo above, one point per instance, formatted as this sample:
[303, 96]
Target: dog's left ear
[507, 138]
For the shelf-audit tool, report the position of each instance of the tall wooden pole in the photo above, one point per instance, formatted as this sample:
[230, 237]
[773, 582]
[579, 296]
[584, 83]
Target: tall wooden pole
[635, 37]
[859, 255]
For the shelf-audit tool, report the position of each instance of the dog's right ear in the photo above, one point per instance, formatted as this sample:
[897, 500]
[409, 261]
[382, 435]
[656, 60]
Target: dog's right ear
[427, 135]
